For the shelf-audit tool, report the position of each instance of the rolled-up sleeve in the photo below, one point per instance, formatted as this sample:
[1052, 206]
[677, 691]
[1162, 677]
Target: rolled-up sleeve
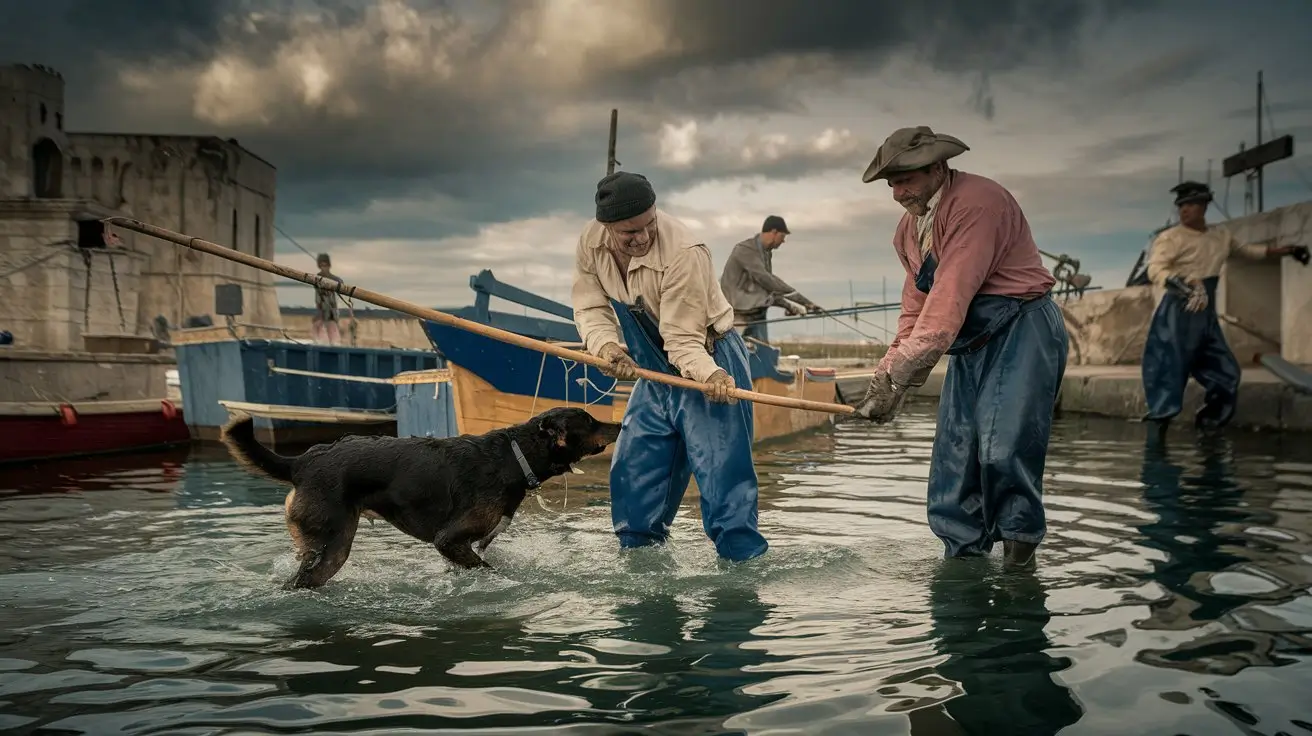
[1251, 251]
[913, 300]
[593, 314]
[685, 304]
[966, 255]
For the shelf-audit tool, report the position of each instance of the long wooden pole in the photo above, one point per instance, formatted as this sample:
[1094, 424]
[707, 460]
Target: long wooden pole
[449, 320]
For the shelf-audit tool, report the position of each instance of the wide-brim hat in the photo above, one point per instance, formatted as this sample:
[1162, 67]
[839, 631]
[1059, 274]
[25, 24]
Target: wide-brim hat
[908, 149]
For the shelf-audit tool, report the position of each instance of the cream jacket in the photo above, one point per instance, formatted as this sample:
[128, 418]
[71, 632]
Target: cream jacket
[676, 282]
[1189, 254]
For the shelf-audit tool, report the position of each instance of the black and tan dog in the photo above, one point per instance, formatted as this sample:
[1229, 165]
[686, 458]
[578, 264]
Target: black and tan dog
[452, 492]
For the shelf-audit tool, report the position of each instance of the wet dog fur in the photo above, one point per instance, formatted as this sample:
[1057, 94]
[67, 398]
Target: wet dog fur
[451, 492]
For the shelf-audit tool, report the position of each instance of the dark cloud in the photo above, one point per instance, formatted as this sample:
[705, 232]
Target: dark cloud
[1168, 69]
[496, 110]
[1115, 150]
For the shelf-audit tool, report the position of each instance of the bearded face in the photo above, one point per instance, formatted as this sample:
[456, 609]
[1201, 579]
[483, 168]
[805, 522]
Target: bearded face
[913, 189]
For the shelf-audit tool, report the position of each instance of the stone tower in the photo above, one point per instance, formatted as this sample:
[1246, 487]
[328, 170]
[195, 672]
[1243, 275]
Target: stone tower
[33, 145]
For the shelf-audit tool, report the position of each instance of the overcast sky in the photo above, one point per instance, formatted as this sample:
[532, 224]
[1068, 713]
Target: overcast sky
[420, 141]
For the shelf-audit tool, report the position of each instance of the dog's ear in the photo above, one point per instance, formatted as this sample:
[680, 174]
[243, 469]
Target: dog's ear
[554, 427]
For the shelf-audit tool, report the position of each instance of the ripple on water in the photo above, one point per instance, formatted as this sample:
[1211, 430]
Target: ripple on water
[145, 599]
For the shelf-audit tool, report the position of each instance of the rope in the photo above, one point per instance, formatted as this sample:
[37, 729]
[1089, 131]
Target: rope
[584, 381]
[118, 297]
[31, 263]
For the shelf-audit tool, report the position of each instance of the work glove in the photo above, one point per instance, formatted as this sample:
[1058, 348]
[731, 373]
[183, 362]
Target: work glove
[1197, 297]
[882, 400]
[621, 367]
[919, 377]
[718, 387]
[1298, 253]
[794, 309]
[814, 308]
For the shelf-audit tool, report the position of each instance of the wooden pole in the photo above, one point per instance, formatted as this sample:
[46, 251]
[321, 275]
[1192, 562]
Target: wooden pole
[443, 318]
[610, 150]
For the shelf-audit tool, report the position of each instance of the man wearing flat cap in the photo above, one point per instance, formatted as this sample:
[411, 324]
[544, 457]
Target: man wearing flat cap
[640, 272]
[976, 290]
[1184, 337]
[749, 283]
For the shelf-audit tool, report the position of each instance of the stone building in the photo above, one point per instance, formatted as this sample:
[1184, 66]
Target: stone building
[64, 277]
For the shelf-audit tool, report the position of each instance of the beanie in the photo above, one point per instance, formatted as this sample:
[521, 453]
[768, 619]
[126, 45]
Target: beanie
[623, 195]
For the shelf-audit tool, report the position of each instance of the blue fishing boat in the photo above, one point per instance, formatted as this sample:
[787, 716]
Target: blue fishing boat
[493, 384]
[298, 392]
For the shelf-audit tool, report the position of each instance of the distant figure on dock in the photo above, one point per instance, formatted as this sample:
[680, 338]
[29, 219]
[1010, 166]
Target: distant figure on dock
[325, 328]
[1185, 335]
[749, 283]
[641, 272]
[976, 289]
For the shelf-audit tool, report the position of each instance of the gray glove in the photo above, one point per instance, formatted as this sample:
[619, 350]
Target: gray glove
[882, 400]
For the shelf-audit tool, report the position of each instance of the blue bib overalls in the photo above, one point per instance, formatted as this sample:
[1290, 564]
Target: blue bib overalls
[672, 434]
[994, 420]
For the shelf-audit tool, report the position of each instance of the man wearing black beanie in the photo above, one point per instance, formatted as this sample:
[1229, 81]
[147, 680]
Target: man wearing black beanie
[641, 272]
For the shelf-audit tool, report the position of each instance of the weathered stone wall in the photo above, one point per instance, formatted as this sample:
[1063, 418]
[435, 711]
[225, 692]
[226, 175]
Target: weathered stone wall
[27, 375]
[54, 292]
[203, 187]
[1254, 292]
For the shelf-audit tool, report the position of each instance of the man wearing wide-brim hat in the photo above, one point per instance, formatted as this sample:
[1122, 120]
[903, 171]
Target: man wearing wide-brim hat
[1184, 337]
[976, 290]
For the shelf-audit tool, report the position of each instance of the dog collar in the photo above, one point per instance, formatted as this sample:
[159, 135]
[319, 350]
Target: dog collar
[523, 465]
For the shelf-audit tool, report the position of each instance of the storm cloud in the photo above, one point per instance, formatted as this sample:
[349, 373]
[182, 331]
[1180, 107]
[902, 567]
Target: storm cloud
[500, 109]
[421, 140]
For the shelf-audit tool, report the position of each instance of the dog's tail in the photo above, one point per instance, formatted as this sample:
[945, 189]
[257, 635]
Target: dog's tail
[239, 437]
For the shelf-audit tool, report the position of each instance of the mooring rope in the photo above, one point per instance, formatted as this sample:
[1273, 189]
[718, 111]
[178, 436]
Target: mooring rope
[583, 381]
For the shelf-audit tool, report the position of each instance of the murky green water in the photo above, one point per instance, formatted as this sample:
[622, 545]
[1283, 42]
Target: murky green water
[140, 597]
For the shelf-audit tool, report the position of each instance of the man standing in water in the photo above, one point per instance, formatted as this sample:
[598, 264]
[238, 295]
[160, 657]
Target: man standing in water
[642, 272]
[749, 283]
[1185, 336]
[976, 290]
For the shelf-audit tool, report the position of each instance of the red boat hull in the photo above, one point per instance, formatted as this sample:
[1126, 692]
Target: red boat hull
[67, 432]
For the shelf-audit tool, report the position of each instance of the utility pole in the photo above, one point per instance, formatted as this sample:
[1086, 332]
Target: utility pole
[610, 151]
[1259, 138]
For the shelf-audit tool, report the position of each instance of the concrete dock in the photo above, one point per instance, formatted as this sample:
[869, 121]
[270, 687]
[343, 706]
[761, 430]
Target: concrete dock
[1265, 402]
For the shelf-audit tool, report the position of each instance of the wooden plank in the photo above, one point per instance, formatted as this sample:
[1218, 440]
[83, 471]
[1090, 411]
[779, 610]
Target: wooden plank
[1273, 150]
[307, 413]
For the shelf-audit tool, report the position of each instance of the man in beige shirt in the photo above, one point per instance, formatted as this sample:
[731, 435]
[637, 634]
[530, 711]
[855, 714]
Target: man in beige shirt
[641, 272]
[1185, 335]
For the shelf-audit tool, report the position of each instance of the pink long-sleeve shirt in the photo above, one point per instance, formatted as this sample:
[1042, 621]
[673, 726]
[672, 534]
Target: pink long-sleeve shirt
[983, 245]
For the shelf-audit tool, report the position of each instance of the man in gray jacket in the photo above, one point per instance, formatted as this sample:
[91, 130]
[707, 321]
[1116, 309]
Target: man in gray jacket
[749, 283]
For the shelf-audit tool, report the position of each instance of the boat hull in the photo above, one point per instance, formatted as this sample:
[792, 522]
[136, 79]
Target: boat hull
[480, 407]
[37, 432]
[298, 393]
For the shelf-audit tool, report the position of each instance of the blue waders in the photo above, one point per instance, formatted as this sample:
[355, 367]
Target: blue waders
[672, 434]
[1181, 344]
[994, 420]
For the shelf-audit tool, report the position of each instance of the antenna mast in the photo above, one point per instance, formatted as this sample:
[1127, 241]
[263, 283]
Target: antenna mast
[610, 151]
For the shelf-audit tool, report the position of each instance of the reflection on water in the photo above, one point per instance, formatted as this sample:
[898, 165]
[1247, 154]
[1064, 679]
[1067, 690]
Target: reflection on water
[139, 595]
